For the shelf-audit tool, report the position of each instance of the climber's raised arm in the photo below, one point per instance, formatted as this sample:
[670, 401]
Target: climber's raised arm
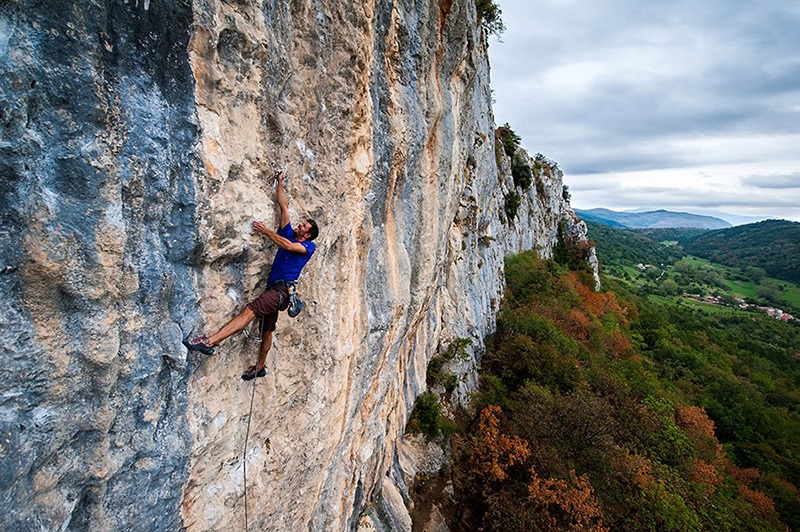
[283, 203]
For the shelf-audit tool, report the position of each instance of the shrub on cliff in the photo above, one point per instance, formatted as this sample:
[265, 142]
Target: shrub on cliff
[427, 418]
[511, 205]
[521, 172]
[509, 139]
[489, 14]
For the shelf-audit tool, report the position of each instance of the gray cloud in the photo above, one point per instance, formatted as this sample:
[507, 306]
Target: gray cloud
[624, 85]
[773, 181]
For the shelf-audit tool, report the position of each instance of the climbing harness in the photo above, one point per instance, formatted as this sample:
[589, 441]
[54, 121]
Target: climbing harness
[296, 305]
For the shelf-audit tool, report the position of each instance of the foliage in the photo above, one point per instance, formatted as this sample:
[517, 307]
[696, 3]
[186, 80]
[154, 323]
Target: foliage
[436, 374]
[566, 502]
[521, 172]
[542, 164]
[772, 245]
[635, 415]
[511, 205]
[458, 349]
[571, 252]
[489, 17]
[491, 453]
[616, 247]
[509, 139]
[427, 418]
[486, 240]
[565, 193]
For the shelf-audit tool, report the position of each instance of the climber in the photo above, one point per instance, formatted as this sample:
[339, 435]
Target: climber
[295, 248]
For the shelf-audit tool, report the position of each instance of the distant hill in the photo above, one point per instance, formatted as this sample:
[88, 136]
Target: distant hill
[651, 219]
[624, 246]
[772, 245]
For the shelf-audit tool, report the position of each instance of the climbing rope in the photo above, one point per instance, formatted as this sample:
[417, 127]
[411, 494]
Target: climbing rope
[244, 456]
[247, 436]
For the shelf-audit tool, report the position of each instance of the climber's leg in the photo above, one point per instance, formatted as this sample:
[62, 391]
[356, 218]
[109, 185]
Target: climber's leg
[237, 324]
[266, 344]
[267, 327]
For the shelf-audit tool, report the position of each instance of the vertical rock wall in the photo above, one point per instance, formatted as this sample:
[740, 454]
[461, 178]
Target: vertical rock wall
[97, 170]
[138, 142]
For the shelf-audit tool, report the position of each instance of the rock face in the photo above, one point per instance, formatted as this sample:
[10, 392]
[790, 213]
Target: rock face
[138, 138]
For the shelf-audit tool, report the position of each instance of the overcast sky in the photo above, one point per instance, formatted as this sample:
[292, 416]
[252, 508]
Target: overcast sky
[647, 104]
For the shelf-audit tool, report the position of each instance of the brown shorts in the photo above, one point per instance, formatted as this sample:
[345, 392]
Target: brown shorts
[269, 304]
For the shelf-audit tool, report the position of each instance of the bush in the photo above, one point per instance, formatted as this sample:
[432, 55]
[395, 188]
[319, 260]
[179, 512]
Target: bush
[437, 376]
[574, 254]
[509, 139]
[458, 348]
[427, 418]
[489, 17]
[521, 172]
[511, 205]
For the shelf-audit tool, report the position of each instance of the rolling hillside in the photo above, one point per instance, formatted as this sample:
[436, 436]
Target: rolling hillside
[773, 245]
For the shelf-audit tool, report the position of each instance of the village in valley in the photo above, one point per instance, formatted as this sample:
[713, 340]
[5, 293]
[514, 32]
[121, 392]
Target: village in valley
[740, 303]
[723, 300]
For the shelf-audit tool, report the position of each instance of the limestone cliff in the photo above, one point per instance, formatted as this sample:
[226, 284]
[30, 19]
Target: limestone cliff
[138, 138]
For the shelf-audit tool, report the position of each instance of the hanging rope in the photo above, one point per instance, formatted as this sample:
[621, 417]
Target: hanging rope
[247, 436]
[244, 457]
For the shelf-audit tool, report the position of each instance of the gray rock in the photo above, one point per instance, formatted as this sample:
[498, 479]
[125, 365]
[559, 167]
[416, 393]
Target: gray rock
[136, 138]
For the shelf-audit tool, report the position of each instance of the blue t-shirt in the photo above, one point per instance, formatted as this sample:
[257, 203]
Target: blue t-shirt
[288, 265]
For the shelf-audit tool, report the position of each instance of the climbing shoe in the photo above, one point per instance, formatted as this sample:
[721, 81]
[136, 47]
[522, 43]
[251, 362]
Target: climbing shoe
[252, 373]
[199, 344]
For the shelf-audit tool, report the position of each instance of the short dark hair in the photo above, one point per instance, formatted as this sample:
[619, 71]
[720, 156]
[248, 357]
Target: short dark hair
[313, 231]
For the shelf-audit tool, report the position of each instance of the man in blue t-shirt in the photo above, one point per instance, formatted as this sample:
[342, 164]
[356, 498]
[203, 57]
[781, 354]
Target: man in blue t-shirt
[295, 248]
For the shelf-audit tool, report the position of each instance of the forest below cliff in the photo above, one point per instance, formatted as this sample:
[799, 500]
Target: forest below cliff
[620, 411]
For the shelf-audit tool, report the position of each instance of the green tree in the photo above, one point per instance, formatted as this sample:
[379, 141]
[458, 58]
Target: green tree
[511, 205]
[521, 172]
[490, 17]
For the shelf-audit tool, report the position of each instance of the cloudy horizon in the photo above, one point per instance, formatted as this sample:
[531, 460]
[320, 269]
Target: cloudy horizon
[673, 105]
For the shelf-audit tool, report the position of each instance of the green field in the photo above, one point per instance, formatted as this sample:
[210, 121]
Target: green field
[695, 275]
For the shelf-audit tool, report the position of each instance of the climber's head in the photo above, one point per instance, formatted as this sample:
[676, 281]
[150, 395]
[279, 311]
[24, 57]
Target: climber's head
[307, 231]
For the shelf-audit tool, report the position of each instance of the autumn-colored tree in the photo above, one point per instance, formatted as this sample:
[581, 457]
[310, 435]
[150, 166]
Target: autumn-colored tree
[491, 453]
[705, 476]
[593, 302]
[762, 504]
[636, 468]
[619, 344]
[576, 324]
[566, 505]
[746, 478]
[701, 430]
